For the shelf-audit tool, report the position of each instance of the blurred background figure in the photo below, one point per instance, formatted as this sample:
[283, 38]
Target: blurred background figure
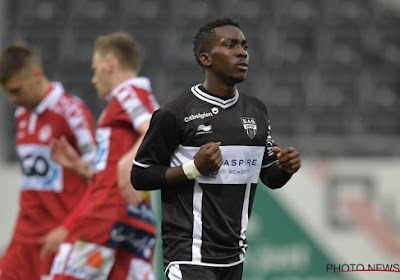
[115, 235]
[328, 71]
[48, 193]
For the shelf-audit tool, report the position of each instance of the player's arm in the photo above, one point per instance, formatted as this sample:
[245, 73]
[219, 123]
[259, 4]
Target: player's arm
[65, 154]
[207, 160]
[124, 166]
[278, 174]
[151, 168]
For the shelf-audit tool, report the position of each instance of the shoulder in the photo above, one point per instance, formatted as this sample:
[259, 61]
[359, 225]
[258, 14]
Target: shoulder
[254, 101]
[68, 105]
[178, 102]
[73, 111]
[173, 109]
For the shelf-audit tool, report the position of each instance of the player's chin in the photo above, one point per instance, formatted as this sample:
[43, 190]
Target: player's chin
[240, 78]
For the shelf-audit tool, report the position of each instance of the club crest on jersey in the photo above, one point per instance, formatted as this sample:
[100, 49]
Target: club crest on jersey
[250, 125]
[45, 133]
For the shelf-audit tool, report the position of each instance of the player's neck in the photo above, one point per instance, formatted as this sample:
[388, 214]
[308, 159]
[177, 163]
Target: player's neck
[122, 76]
[220, 89]
[43, 89]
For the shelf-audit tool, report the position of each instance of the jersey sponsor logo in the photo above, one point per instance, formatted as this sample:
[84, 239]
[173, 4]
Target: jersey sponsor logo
[270, 143]
[240, 166]
[203, 115]
[140, 270]
[39, 171]
[141, 212]
[241, 162]
[132, 239]
[87, 261]
[215, 110]
[250, 125]
[204, 129]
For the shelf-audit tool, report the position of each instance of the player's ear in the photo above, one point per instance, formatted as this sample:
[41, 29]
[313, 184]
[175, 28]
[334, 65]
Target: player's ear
[204, 59]
[37, 72]
[111, 61]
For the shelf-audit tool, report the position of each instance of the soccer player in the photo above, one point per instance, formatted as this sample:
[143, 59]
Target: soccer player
[49, 193]
[205, 149]
[114, 237]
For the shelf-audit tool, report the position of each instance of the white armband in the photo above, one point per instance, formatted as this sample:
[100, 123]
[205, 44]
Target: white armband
[190, 170]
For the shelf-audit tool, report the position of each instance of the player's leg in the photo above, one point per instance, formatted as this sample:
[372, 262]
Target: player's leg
[20, 261]
[135, 249]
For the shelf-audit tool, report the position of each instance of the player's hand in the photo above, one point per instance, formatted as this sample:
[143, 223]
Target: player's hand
[288, 159]
[130, 195]
[51, 241]
[64, 153]
[209, 158]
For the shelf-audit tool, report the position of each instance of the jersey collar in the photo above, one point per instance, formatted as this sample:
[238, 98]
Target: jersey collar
[48, 101]
[213, 99]
[51, 98]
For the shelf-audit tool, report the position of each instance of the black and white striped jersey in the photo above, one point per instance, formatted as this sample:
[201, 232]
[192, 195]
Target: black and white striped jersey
[204, 221]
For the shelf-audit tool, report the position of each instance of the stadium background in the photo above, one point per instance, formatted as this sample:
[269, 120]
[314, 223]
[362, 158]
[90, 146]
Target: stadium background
[329, 72]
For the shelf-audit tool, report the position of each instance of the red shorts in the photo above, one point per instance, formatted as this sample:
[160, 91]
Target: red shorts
[99, 249]
[21, 261]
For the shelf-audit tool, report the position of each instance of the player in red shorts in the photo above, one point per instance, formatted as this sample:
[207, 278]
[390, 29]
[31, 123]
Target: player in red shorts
[49, 193]
[114, 236]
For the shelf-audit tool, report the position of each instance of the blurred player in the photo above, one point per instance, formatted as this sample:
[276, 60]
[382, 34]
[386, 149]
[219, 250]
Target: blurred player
[114, 237]
[205, 149]
[49, 193]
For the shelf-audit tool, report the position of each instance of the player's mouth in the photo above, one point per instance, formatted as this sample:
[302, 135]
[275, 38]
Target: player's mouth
[242, 66]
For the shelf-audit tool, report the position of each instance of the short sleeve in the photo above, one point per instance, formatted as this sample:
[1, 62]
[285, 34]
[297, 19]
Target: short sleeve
[82, 126]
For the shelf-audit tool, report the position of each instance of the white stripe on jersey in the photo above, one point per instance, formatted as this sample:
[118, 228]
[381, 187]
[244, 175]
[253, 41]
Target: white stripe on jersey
[197, 222]
[103, 135]
[141, 164]
[213, 99]
[245, 216]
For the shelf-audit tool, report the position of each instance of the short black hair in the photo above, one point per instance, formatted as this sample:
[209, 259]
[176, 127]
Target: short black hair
[206, 33]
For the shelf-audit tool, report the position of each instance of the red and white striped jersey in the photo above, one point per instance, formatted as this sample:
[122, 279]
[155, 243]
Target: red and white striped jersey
[129, 105]
[49, 192]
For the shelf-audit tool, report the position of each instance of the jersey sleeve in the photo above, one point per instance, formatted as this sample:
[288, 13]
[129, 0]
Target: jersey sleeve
[132, 102]
[160, 140]
[82, 126]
